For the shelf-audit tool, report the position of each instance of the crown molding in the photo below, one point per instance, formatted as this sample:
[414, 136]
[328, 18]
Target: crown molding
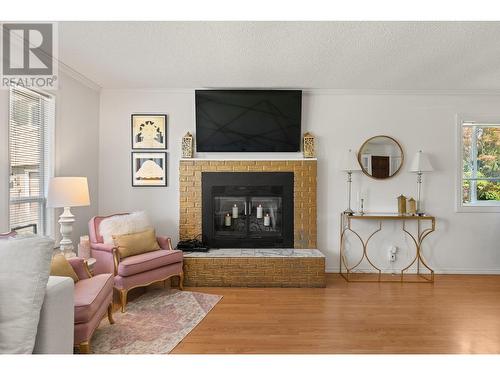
[311, 91]
[398, 92]
[66, 69]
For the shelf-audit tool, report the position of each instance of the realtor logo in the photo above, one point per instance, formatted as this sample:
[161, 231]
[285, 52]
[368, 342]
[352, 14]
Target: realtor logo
[29, 55]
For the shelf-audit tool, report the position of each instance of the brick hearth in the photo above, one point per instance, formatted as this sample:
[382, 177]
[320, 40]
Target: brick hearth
[289, 268]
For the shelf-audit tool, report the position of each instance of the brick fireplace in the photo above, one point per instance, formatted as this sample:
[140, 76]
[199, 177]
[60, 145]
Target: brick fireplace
[304, 193]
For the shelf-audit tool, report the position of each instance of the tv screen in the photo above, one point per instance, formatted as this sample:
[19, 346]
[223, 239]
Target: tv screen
[248, 120]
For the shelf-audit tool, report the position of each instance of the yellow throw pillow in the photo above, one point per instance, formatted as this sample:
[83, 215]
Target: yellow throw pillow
[136, 243]
[61, 267]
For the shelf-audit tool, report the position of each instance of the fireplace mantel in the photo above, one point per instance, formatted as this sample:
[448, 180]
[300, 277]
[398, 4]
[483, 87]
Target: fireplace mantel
[244, 159]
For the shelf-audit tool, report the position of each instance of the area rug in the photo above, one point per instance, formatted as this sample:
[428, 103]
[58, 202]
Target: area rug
[153, 323]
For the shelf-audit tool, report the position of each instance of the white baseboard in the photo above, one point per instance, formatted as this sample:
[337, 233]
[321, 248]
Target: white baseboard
[445, 271]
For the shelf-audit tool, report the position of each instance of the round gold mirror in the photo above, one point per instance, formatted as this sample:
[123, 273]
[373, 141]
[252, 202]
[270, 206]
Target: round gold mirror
[380, 157]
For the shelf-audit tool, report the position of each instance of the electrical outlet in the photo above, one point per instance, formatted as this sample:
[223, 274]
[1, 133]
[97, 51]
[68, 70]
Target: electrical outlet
[392, 253]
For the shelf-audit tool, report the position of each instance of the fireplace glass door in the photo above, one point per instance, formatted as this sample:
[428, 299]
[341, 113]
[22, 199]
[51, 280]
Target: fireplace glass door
[248, 210]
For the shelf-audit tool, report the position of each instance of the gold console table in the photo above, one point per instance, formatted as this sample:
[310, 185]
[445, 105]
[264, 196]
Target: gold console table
[346, 226]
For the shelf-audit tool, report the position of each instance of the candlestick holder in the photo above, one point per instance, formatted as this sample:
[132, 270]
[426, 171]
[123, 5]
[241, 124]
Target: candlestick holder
[350, 165]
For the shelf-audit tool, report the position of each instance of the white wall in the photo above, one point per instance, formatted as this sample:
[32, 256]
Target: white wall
[464, 242]
[76, 145]
[116, 193]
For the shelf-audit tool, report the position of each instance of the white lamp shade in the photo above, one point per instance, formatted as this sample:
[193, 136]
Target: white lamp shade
[68, 192]
[350, 162]
[421, 163]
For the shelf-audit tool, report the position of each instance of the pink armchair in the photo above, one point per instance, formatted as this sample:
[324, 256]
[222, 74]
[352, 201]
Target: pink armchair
[137, 270]
[93, 298]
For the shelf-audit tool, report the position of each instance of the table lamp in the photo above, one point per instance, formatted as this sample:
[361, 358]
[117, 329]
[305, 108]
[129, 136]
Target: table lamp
[350, 164]
[419, 165]
[67, 192]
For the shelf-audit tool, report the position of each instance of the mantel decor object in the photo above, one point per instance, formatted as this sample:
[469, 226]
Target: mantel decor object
[309, 145]
[350, 165]
[187, 145]
[67, 192]
[419, 165]
[402, 205]
[412, 206]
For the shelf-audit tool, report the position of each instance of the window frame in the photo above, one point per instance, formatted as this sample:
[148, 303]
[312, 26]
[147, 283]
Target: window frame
[49, 162]
[484, 206]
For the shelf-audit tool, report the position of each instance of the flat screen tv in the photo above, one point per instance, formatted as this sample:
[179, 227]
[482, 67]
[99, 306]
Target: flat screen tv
[248, 120]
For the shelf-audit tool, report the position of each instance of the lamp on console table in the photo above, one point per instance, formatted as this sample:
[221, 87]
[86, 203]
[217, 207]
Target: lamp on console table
[67, 192]
[350, 165]
[419, 165]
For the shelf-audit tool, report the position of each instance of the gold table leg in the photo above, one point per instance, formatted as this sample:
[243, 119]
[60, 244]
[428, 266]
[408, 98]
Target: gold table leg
[421, 235]
[347, 228]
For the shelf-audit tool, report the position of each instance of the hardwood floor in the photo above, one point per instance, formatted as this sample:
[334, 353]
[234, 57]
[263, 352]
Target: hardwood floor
[458, 314]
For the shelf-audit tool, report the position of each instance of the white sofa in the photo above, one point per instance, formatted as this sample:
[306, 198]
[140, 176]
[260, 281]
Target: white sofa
[56, 324]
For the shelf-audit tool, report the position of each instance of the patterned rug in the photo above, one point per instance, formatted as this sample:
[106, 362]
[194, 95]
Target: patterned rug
[154, 323]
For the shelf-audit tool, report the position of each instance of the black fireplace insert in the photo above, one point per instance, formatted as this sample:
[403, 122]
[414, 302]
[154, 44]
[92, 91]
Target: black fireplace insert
[247, 209]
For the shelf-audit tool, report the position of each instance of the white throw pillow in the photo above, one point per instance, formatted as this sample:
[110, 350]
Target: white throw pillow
[24, 271]
[123, 224]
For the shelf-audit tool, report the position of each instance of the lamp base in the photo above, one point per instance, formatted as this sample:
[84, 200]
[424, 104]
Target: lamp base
[349, 212]
[66, 221]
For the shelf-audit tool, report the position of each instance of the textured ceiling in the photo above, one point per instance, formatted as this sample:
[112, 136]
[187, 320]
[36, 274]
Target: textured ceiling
[325, 55]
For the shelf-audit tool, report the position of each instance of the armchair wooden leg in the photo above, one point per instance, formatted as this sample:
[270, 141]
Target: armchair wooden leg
[181, 281]
[123, 298]
[84, 347]
[110, 314]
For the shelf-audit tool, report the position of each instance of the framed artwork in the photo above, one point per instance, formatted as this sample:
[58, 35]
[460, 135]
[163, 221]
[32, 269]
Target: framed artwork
[149, 169]
[149, 131]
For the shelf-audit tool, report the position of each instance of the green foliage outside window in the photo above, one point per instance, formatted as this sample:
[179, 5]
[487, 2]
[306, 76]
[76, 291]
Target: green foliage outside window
[488, 163]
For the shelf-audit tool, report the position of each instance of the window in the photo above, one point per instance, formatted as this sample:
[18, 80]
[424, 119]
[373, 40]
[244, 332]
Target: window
[480, 166]
[31, 119]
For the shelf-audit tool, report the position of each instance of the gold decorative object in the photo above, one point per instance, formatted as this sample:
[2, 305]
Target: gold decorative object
[402, 205]
[309, 148]
[412, 206]
[187, 146]
[350, 272]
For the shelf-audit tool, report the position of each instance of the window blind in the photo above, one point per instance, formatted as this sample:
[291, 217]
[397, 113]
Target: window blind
[30, 117]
